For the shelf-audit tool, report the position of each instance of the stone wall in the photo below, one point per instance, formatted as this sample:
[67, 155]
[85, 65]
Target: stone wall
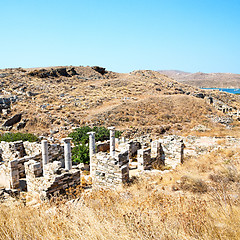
[32, 148]
[169, 151]
[15, 152]
[22, 161]
[18, 150]
[173, 148]
[55, 180]
[14, 174]
[133, 147]
[151, 157]
[11, 150]
[61, 182]
[157, 153]
[108, 171]
[4, 176]
[144, 159]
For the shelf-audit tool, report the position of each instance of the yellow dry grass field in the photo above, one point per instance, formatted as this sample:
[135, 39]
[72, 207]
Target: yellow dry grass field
[198, 200]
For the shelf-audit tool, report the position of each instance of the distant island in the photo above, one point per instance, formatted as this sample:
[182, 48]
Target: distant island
[205, 80]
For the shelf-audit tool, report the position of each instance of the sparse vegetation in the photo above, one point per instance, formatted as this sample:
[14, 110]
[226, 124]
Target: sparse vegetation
[112, 99]
[12, 137]
[141, 211]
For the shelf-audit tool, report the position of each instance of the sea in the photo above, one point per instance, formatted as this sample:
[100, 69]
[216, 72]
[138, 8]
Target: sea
[229, 90]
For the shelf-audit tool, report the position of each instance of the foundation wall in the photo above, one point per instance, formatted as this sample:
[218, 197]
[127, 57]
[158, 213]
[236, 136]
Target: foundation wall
[110, 172]
[55, 181]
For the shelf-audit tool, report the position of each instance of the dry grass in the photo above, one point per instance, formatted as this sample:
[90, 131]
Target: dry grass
[139, 213]
[206, 206]
[147, 209]
[123, 100]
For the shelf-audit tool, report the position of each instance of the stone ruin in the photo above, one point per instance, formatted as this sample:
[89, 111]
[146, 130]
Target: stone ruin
[111, 168]
[48, 171]
[47, 168]
[108, 169]
[223, 107]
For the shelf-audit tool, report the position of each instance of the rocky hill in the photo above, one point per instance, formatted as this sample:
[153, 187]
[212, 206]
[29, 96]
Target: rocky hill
[206, 80]
[198, 199]
[56, 99]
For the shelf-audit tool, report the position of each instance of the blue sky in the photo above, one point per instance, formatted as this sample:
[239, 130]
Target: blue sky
[125, 35]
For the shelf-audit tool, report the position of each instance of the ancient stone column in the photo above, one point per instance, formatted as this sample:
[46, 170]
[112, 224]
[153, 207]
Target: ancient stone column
[67, 153]
[45, 159]
[91, 148]
[112, 141]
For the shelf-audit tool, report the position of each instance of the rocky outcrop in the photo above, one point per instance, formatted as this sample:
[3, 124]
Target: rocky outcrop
[21, 125]
[99, 69]
[199, 95]
[5, 101]
[13, 120]
[58, 72]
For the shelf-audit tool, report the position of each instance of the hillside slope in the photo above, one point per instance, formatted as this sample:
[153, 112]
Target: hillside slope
[53, 100]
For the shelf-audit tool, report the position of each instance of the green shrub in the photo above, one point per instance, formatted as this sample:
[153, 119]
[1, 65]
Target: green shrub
[79, 135]
[12, 137]
[80, 152]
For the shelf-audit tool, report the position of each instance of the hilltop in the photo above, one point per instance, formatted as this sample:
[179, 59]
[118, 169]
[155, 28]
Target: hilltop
[56, 99]
[205, 80]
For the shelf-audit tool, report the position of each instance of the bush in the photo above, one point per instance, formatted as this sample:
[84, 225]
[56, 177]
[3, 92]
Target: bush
[79, 135]
[80, 154]
[81, 138]
[12, 137]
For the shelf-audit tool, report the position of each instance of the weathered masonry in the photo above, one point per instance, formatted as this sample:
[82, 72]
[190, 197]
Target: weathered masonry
[110, 168]
[48, 170]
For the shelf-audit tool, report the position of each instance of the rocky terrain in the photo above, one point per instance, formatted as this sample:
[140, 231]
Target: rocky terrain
[52, 101]
[205, 80]
[197, 199]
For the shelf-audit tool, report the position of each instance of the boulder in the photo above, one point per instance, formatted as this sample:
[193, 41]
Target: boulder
[21, 125]
[72, 72]
[199, 95]
[60, 72]
[99, 69]
[13, 120]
